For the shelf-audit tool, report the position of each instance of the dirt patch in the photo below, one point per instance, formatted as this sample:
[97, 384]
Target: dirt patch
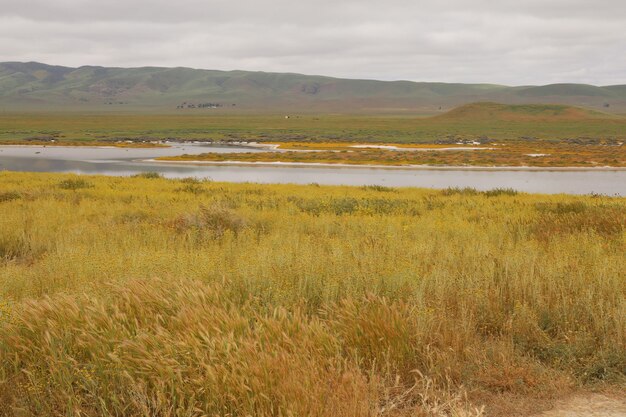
[589, 405]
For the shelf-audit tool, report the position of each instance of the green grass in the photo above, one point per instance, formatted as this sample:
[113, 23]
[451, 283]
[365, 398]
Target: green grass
[146, 296]
[523, 112]
[479, 125]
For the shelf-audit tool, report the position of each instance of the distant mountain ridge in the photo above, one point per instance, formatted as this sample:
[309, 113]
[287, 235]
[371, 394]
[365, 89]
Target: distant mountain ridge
[33, 85]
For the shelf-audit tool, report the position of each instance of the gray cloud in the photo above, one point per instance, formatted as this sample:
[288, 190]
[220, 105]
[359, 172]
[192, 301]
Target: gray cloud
[505, 41]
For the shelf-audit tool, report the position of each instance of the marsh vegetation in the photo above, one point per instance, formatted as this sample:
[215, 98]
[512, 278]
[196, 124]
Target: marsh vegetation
[484, 122]
[512, 153]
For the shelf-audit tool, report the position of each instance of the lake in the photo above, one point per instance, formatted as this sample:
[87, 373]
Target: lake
[130, 161]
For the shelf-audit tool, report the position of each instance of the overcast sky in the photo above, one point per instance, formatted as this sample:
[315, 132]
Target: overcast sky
[512, 42]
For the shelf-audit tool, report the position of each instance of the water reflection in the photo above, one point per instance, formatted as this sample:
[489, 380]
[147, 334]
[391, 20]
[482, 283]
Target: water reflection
[119, 161]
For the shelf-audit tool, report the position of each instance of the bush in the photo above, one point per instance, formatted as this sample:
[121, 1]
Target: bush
[345, 205]
[576, 207]
[19, 248]
[310, 206]
[192, 188]
[190, 180]
[148, 175]
[472, 191]
[459, 191]
[576, 217]
[212, 221]
[192, 185]
[9, 196]
[74, 184]
[132, 217]
[500, 191]
[379, 188]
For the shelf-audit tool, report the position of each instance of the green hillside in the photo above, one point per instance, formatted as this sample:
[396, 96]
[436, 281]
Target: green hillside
[32, 85]
[522, 112]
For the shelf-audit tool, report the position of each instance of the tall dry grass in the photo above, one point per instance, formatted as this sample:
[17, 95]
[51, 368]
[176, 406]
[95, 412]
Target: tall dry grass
[152, 297]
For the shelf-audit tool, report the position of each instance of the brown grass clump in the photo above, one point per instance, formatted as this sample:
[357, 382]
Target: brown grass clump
[567, 218]
[214, 221]
[181, 348]
[74, 184]
[20, 246]
[9, 196]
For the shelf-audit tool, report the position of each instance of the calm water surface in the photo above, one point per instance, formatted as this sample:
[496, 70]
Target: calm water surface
[128, 161]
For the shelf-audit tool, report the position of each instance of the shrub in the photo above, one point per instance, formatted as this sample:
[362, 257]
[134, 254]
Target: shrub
[379, 188]
[190, 180]
[387, 206]
[563, 208]
[472, 191]
[212, 221]
[20, 248]
[348, 205]
[74, 184]
[459, 191]
[192, 188]
[576, 217]
[345, 205]
[132, 217]
[148, 175]
[192, 185]
[310, 206]
[500, 191]
[9, 196]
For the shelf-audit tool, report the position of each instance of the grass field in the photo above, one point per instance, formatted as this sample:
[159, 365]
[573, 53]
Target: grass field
[482, 121]
[152, 297]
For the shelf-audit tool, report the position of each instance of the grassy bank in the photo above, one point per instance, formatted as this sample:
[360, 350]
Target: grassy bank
[513, 153]
[146, 296]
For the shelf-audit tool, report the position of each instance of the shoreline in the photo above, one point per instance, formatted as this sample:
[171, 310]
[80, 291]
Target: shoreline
[294, 164]
[380, 166]
[35, 145]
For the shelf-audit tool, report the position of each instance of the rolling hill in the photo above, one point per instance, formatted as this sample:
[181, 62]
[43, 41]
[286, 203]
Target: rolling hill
[522, 113]
[25, 86]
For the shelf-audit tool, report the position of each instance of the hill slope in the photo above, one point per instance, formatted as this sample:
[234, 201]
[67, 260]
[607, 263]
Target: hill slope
[522, 112]
[35, 85]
